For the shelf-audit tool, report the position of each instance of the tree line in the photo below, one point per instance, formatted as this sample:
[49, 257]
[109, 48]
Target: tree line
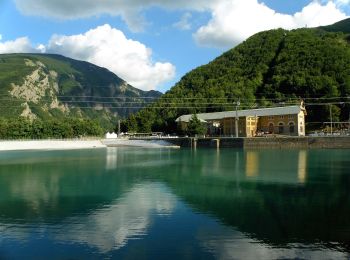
[21, 128]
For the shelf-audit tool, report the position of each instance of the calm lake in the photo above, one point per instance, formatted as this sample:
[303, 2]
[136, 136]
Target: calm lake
[134, 203]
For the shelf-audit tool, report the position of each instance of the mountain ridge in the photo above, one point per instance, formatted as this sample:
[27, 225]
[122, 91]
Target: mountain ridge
[51, 85]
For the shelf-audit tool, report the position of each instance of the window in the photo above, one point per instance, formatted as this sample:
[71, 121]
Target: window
[291, 127]
[280, 128]
[271, 117]
[281, 117]
[271, 128]
[290, 116]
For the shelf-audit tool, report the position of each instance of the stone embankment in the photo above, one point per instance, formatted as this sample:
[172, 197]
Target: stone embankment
[336, 142]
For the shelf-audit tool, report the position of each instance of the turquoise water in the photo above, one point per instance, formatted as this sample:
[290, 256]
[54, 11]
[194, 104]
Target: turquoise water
[133, 203]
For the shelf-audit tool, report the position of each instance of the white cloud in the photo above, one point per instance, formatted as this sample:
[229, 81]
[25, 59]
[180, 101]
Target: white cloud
[231, 20]
[342, 2]
[184, 23]
[41, 48]
[315, 14]
[129, 10]
[343, 5]
[235, 20]
[19, 45]
[108, 47]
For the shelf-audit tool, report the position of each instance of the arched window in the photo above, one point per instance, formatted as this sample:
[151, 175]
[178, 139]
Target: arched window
[291, 127]
[280, 128]
[271, 128]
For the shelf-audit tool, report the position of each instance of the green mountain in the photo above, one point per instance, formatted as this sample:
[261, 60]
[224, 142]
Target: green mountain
[342, 26]
[269, 68]
[47, 86]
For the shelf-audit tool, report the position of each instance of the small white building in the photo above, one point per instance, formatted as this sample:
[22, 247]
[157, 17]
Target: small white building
[111, 135]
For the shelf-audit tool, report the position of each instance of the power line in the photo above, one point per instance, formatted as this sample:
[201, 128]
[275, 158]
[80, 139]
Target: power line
[175, 106]
[93, 99]
[202, 98]
[179, 103]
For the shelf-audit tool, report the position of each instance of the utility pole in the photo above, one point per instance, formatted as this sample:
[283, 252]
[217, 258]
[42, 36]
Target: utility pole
[330, 114]
[349, 125]
[236, 121]
[118, 128]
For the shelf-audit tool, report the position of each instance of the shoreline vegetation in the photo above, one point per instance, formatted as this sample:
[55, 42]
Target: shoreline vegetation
[22, 128]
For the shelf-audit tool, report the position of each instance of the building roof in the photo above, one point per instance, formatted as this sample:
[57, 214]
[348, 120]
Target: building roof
[271, 111]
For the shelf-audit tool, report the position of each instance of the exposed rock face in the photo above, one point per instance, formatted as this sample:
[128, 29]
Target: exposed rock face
[27, 112]
[38, 86]
[53, 86]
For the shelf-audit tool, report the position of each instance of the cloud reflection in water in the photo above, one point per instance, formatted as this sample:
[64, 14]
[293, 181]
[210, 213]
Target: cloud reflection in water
[232, 244]
[129, 217]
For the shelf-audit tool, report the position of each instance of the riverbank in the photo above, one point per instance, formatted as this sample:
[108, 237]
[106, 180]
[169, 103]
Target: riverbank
[308, 142]
[50, 145]
[339, 142]
[152, 143]
[81, 144]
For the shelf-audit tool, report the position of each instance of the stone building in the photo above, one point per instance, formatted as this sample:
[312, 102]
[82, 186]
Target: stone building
[288, 120]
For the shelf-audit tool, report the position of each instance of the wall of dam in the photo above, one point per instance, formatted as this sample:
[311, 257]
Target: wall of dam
[327, 142]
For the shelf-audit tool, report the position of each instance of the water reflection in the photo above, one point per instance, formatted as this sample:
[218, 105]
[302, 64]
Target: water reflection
[111, 159]
[252, 164]
[232, 244]
[271, 206]
[302, 164]
[177, 203]
[270, 166]
[263, 166]
[129, 217]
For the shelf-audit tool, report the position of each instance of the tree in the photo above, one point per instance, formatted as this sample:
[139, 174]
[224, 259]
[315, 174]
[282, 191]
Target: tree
[3, 128]
[195, 126]
[131, 124]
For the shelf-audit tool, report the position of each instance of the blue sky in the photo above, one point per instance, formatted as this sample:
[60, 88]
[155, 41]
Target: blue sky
[151, 43]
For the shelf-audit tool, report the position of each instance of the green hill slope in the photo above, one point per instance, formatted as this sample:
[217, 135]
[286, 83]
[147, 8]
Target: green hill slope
[48, 86]
[270, 67]
[342, 26]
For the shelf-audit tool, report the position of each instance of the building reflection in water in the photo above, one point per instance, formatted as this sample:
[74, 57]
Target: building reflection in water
[288, 166]
[252, 163]
[111, 158]
[302, 163]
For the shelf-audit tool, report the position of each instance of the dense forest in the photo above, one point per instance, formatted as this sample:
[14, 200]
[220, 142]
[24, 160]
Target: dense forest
[271, 68]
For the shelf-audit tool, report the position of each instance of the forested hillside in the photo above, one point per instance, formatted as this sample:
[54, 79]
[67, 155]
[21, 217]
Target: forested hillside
[46, 87]
[270, 68]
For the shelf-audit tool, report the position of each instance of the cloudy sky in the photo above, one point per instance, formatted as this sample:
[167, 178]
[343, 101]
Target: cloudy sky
[151, 43]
